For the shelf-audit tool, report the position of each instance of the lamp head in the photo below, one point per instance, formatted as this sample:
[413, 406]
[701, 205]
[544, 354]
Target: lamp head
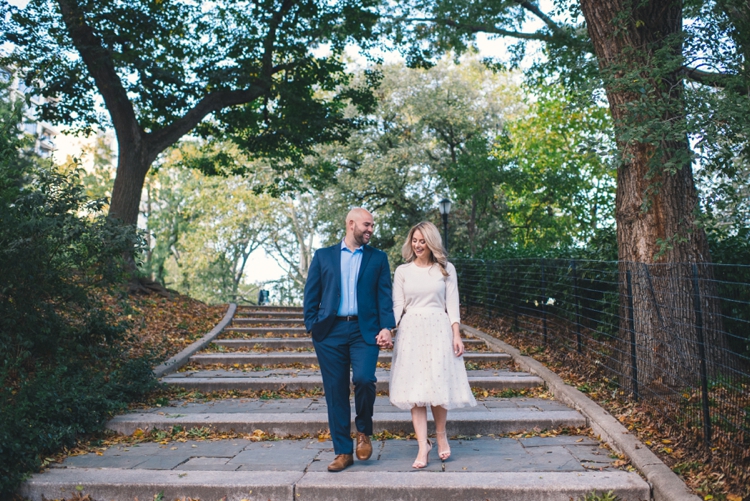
[444, 206]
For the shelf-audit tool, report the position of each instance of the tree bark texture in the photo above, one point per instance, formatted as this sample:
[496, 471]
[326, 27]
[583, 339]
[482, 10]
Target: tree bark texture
[133, 163]
[654, 206]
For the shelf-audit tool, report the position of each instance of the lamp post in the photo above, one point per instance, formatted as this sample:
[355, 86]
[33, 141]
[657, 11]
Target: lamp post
[444, 206]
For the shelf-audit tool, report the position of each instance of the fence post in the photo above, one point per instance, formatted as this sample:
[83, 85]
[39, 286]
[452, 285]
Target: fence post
[702, 355]
[518, 298]
[633, 355]
[579, 344]
[487, 309]
[544, 305]
[469, 294]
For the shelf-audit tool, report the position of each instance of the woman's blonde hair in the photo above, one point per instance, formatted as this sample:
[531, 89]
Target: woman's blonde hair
[432, 238]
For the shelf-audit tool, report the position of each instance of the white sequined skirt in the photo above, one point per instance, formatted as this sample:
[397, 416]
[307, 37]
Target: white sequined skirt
[424, 370]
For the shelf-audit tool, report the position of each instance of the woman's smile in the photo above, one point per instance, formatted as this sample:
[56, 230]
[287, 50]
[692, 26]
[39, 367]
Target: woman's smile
[419, 245]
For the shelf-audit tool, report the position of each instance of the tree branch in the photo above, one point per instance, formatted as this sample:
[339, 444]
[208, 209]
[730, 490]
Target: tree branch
[719, 80]
[268, 43]
[477, 28]
[165, 137]
[162, 139]
[99, 63]
[551, 24]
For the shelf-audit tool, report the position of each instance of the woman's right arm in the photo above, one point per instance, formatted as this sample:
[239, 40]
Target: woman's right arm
[398, 294]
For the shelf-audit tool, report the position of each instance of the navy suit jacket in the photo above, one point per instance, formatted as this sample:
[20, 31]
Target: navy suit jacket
[323, 293]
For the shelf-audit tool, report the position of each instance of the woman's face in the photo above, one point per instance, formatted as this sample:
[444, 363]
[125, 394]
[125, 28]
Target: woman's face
[419, 246]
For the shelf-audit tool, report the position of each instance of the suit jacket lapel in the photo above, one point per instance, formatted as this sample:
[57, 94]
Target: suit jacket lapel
[366, 255]
[336, 262]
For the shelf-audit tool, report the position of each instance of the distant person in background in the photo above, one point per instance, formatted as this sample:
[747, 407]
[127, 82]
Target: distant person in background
[349, 312]
[428, 366]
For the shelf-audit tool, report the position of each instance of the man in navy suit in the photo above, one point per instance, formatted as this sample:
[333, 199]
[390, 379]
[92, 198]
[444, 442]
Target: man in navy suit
[349, 312]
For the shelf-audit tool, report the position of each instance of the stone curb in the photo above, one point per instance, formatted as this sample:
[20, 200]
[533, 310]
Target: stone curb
[665, 484]
[125, 484]
[183, 357]
[286, 424]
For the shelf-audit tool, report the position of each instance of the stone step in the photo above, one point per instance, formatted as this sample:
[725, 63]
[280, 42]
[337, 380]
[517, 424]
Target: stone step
[361, 485]
[275, 358]
[296, 417]
[253, 308]
[534, 469]
[309, 379]
[269, 314]
[299, 343]
[260, 331]
[460, 423]
[261, 321]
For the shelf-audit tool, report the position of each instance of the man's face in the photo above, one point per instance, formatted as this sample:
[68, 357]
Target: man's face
[361, 228]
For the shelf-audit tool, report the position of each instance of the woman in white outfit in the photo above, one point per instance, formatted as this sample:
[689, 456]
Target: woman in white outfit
[428, 366]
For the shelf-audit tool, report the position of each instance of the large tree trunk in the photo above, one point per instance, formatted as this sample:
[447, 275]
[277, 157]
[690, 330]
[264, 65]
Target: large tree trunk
[133, 163]
[656, 201]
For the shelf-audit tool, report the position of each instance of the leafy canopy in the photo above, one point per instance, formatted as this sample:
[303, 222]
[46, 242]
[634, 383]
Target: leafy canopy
[268, 74]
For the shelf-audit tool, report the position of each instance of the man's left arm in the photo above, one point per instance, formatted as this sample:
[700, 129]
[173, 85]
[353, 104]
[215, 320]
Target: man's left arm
[385, 304]
[313, 292]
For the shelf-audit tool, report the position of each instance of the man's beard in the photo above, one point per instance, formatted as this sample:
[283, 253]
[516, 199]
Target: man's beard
[359, 237]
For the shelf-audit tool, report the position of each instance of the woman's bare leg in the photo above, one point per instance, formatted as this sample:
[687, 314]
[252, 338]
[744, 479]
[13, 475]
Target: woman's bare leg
[441, 418]
[419, 420]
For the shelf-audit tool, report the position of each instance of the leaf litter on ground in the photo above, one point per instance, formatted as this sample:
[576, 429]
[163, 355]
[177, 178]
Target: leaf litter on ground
[712, 480]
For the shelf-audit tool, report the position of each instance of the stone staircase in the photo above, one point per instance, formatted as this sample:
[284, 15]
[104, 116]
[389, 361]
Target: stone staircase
[268, 349]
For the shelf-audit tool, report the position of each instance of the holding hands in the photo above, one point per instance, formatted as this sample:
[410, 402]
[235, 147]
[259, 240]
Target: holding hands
[384, 339]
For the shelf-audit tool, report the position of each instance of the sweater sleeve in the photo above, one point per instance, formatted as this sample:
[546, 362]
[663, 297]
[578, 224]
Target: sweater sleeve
[451, 295]
[398, 294]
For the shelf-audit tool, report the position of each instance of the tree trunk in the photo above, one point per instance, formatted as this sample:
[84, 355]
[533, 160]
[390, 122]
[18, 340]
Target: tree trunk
[656, 200]
[133, 163]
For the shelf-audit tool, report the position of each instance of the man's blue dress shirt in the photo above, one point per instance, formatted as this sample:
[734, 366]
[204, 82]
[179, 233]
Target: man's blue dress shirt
[350, 263]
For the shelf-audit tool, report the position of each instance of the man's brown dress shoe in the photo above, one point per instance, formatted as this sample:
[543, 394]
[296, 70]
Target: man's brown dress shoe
[364, 447]
[341, 462]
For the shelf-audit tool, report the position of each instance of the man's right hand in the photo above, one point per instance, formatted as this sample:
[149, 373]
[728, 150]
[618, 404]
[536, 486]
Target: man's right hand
[384, 339]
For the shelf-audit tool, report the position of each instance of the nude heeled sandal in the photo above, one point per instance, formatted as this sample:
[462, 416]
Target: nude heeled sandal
[419, 464]
[444, 454]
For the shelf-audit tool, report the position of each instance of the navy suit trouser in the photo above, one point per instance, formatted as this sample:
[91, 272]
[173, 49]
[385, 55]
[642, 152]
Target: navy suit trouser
[342, 348]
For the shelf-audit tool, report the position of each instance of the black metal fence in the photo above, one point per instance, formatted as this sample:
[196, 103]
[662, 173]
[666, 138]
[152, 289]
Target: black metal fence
[675, 337]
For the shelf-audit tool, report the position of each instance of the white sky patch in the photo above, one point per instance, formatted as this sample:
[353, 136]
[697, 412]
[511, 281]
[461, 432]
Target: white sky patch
[261, 268]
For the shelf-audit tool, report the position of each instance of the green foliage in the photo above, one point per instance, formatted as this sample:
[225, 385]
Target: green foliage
[560, 182]
[202, 229]
[429, 137]
[63, 369]
[687, 93]
[606, 496]
[247, 71]
[526, 179]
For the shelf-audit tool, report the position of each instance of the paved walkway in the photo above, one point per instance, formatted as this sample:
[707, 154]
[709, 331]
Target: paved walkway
[485, 454]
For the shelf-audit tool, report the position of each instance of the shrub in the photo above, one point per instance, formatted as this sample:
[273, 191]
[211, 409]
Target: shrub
[64, 366]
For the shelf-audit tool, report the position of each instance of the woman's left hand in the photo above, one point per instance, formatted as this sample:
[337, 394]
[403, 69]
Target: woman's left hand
[458, 346]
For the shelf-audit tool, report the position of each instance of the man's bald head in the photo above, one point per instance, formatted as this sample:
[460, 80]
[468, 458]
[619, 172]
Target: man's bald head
[357, 214]
[359, 226]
